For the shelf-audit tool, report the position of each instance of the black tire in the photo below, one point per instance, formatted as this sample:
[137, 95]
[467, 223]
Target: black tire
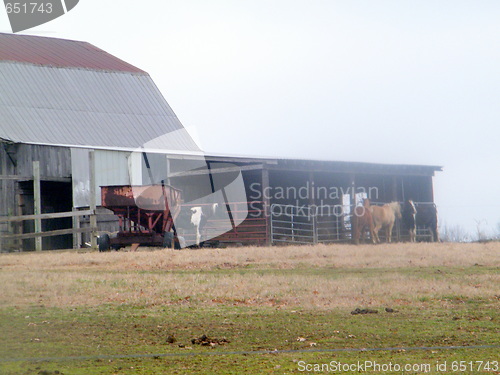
[103, 242]
[168, 237]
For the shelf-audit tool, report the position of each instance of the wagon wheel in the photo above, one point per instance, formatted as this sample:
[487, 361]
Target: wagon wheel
[168, 237]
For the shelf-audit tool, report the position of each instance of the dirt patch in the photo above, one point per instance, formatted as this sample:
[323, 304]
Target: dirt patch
[363, 311]
[204, 340]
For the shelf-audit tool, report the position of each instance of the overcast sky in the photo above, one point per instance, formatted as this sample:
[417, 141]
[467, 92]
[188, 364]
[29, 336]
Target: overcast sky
[414, 82]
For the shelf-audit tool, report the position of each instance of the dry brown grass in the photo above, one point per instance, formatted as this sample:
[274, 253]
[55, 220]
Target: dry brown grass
[324, 276]
[339, 256]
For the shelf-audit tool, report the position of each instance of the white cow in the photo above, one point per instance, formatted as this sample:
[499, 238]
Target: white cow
[199, 219]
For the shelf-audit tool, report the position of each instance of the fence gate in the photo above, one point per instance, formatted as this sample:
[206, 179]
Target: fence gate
[292, 224]
[309, 224]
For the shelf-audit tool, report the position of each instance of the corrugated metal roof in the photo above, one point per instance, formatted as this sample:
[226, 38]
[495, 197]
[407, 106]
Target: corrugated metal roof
[87, 108]
[59, 52]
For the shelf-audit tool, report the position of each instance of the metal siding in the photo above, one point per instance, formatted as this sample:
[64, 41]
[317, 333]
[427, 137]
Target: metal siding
[111, 169]
[80, 177]
[135, 167]
[76, 107]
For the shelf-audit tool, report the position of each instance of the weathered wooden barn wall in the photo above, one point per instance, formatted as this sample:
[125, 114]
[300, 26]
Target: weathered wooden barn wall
[16, 188]
[16, 164]
[55, 162]
[7, 188]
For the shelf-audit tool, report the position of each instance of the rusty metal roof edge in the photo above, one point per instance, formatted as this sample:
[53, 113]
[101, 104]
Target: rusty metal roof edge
[50, 51]
[141, 73]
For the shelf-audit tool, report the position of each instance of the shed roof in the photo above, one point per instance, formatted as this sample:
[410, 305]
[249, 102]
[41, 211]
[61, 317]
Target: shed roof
[319, 165]
[95, 100]
[59, 53]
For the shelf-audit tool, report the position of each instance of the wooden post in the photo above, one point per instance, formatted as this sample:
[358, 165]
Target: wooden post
[77, 236]
[168, 166]
[267, 203]
[17, 228]
[354, 219]
[394, 188]
[93, 206]
[394, 193]
[38, 203]
[312, 203]
[430, 192]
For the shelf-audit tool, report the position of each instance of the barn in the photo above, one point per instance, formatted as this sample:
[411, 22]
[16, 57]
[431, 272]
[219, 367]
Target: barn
[74, 118]
[59, 100]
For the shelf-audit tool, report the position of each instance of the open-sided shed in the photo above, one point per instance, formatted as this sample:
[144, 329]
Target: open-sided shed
[310, 201]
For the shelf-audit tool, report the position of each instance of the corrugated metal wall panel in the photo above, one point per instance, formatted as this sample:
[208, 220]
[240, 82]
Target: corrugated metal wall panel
[111, 168]
[80, 177]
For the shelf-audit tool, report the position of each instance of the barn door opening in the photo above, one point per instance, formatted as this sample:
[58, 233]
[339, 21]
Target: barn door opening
[56, 197]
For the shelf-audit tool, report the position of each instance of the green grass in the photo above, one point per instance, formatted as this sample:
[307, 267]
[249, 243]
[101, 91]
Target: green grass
[111, 331]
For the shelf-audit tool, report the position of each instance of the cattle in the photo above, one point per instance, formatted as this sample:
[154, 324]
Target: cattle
[409, 219]
[191, 222]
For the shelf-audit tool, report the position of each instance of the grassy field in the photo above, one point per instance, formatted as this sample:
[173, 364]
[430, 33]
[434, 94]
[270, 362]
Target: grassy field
[253, 310]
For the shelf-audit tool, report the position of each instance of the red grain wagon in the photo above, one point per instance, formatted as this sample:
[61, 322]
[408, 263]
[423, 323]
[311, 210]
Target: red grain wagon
[146, 214]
